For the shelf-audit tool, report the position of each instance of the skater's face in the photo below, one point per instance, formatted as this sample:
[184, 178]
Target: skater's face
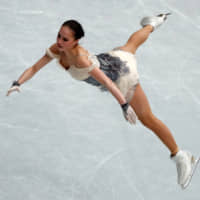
[66, 39]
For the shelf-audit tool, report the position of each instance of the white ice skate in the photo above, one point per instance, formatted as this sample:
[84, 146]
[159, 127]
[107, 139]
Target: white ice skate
[186, 165]
[155, 21]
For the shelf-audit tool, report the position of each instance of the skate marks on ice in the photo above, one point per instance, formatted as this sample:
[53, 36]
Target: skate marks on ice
[130, 182]
[185, 17]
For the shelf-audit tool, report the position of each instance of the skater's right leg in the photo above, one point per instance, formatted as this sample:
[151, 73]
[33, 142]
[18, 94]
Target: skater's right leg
[149, 24]
[137, 38]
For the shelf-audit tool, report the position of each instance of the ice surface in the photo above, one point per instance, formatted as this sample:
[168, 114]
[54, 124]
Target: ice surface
[63, 139]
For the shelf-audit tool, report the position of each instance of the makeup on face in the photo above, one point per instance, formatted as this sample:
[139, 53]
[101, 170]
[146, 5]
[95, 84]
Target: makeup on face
[65, 38]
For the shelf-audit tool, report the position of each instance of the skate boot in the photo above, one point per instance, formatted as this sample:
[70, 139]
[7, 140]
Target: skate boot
[185, 163]
[155, 21]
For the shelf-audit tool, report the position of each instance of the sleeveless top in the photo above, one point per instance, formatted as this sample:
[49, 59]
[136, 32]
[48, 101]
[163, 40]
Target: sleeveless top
[120, 66]
[77, 73]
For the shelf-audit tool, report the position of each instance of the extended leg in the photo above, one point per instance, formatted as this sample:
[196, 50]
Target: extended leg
[185, 161]
[137, 38]
[142, 108]
[149, 24]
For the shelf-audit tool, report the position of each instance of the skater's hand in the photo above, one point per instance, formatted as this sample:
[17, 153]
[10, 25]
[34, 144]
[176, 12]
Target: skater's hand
[14, 87]
[129, 113]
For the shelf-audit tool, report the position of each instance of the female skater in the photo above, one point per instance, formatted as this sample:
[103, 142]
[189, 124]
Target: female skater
[115, 71]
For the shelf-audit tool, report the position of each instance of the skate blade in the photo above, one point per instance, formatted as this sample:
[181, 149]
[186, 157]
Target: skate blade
[165, 15]
[160, 15]
[186, 184]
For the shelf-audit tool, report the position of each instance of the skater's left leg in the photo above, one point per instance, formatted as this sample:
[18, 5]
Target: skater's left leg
[184, 160]
[142, 108]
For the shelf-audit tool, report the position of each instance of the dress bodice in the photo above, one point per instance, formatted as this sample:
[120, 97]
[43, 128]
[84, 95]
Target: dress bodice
[79, 73]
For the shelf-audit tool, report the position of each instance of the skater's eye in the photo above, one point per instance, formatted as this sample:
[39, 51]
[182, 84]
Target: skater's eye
[65, 39]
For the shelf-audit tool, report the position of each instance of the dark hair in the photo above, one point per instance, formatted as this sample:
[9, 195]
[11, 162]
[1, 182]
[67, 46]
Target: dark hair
[76, 27]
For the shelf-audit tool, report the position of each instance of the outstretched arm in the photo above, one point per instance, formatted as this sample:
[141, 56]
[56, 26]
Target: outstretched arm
[28, 74]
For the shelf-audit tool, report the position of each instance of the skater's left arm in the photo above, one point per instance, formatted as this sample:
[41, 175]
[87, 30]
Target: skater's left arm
[98, 75]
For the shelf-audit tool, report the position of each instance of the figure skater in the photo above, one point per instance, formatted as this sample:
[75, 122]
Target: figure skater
[116, 72]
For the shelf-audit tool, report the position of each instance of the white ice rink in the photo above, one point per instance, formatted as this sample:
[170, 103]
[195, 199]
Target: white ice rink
[61, 139]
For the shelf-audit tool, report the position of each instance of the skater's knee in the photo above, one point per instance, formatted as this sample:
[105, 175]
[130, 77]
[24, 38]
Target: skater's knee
[147, 119]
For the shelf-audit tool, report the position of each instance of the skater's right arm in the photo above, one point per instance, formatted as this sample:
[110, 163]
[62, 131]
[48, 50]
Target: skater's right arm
[29, 73]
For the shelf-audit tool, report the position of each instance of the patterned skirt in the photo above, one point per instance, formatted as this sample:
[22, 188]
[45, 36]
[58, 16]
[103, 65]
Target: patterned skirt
[121, 67]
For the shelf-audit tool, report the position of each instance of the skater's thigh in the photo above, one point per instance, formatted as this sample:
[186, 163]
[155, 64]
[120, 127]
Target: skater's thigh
[129, 48]
[140, 103]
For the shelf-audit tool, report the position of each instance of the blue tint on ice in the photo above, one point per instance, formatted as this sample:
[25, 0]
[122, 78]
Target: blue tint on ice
[63, 139]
